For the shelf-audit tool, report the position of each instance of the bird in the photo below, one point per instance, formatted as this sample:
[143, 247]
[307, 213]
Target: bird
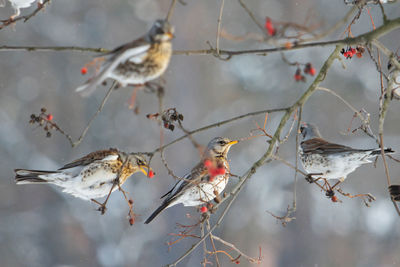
[136, 62]
[204, 182]
[329, 160]
[18, 4]
[92, 176]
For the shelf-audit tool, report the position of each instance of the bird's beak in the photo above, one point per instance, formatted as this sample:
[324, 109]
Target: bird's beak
[147, 171]
[233, 142]
[143, 169]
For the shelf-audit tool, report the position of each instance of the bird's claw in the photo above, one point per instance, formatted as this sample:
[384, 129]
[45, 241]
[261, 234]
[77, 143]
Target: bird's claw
[329, 193]
[309, 179]
[102, 209]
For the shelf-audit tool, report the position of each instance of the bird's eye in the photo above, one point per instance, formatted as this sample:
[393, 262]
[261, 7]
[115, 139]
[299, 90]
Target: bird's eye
[222, 142]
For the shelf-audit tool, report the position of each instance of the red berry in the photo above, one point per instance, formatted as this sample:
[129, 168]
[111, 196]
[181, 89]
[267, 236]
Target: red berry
[237, 262]
[298, 77]
[207, 163]
[270, 27]
[359, 54]
[131, 220]
[203, 209]
[84, 70]
[166, 125]
[49, 117]
[312, 71]
[353, 51]
[151, 174]
[334, 199]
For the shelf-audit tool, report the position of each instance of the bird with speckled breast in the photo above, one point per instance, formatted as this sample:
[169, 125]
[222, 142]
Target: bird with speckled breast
[137, 62]
[92, 176]
[328, 160]
[201, 186]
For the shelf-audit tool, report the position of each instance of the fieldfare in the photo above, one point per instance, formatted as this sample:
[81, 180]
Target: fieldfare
[137, 62]
[206, 180]
[92, 176]
[328, 160]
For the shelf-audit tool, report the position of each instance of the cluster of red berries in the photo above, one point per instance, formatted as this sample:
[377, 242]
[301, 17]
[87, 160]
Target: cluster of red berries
[214, 169]
[350, 52]
[308, 69]
[269, 26]
[44, 120]
[168, 118]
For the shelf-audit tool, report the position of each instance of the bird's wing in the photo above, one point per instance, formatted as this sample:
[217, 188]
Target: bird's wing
[98, 174]
[320, 146]
[101, 155]
[198, 174]
[133, 51]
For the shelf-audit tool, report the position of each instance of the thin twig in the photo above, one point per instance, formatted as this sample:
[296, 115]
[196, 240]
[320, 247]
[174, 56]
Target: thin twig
[221, 9]
[83, 134]
[218, 124]
[26, 17]
[363, 38]
[212, 242]
[252, 16]
[170, 10]
[232, 246]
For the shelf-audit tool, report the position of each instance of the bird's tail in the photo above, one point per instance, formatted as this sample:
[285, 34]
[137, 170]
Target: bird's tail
[23, 176]
[157, 211]
[378, 151]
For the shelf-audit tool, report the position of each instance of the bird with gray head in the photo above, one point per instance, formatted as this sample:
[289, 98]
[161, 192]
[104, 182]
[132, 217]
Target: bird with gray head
[92, 176]
[136, 62]
[205, 181]
[329, 160]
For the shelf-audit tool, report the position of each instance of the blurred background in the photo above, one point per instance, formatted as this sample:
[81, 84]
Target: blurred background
[40, 226]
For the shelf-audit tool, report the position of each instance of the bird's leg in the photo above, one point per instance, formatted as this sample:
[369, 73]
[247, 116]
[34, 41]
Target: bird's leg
[367, 197]
[103, 207]
[309, 178]
[132, 99]
[329, 189]
[217, 198]
[338, 182]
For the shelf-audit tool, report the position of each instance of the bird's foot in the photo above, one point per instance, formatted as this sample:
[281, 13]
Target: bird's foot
[102, 209]
[102, 206]
[217, 198]
[309, 179]
[329, 193]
